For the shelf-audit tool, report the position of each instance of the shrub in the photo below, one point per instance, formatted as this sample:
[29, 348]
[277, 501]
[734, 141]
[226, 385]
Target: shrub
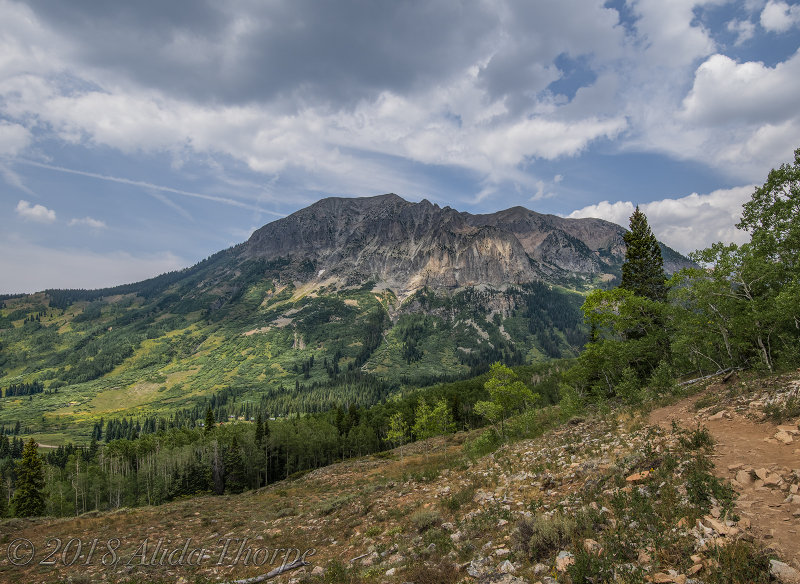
[540, 536]
[699, 438]
[702, 486]
[781, 412]
[663, 379]
[456, 500]
[740, 562]
[331, 505]
[629, 387]
[445, 572]
[425, 519]
[484, 444]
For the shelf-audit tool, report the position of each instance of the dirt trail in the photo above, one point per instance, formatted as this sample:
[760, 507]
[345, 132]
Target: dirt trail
[743, 445]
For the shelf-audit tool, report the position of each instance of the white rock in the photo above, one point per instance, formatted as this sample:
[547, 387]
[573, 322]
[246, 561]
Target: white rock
[564, 560]
[506, 567]
[784, 572]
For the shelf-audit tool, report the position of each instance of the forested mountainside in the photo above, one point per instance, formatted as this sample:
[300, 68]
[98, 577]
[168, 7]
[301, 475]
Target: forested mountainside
[346, 301]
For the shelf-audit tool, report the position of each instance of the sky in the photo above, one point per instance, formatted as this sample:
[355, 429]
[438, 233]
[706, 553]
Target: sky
[141, 137]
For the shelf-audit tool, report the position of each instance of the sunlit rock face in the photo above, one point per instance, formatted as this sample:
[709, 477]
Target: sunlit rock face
[406, 246]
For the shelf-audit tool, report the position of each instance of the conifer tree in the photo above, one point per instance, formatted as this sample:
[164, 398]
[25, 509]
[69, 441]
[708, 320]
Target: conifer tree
[259, 433]
[210, 422]
[234, 468]
[643, 270]
[29, 493]
[217, 470]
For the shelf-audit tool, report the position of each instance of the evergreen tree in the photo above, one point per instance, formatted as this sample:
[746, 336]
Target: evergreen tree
[643, 270]
[234, 468]
[217, 470]
[29, 493]
[259, 434]
[210, 421]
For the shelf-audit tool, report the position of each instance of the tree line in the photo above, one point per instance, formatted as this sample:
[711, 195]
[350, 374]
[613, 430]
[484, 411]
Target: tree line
[131, 462]
[739, 308]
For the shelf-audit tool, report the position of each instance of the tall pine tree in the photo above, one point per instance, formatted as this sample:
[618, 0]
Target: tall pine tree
[29, 493]
[234, 468]
[210, 421]
[643, 270]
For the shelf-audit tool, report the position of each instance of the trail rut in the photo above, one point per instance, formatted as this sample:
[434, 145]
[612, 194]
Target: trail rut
[744, 447]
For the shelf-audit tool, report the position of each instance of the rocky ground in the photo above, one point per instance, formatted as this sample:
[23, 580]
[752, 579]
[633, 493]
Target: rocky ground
[613, 496]
[760, 457]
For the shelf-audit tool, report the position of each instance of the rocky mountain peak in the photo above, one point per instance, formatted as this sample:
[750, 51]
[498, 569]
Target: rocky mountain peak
[405, 246]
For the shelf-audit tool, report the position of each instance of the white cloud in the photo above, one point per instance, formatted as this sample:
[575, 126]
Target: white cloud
[750, 92]
[29, 268]
[13, 138]
[485, 108]
[669, 33]
[779, 16]
[618, 212]
[88, 222]
[38, 213]
[743, 29]
[13, 179]
[687, 223]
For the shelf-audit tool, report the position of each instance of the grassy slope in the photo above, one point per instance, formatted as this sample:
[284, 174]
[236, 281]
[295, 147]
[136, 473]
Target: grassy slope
[432, 513]
[164, 351]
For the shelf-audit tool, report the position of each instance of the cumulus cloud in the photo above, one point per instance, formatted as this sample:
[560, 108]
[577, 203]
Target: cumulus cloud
[686, 223]
[13, 138]
[750, 92]
[438, 84]
[618, 212]
[38, 213]
[779, 16]
[669, 33]
[88, 222]
[338, 93]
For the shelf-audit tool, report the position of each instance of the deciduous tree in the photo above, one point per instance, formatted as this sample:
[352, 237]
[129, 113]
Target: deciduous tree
[507, 395]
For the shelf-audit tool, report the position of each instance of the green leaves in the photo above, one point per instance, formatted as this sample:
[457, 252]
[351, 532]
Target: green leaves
[771, 216]
[398, 429]
[432, 421]
[507, 395]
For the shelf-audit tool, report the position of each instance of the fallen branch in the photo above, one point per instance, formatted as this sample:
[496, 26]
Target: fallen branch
[720, 372]
[272, 574]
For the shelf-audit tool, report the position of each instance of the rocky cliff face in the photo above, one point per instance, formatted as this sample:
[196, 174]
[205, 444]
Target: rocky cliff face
[405, 246]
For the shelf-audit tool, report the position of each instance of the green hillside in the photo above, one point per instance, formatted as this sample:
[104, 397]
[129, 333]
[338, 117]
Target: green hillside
[220, 329]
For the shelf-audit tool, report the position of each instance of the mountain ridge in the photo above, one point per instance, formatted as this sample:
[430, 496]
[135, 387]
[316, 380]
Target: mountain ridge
[410, 245]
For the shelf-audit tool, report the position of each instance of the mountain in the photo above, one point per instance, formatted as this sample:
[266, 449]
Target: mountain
[346, 301]
[405, 246]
